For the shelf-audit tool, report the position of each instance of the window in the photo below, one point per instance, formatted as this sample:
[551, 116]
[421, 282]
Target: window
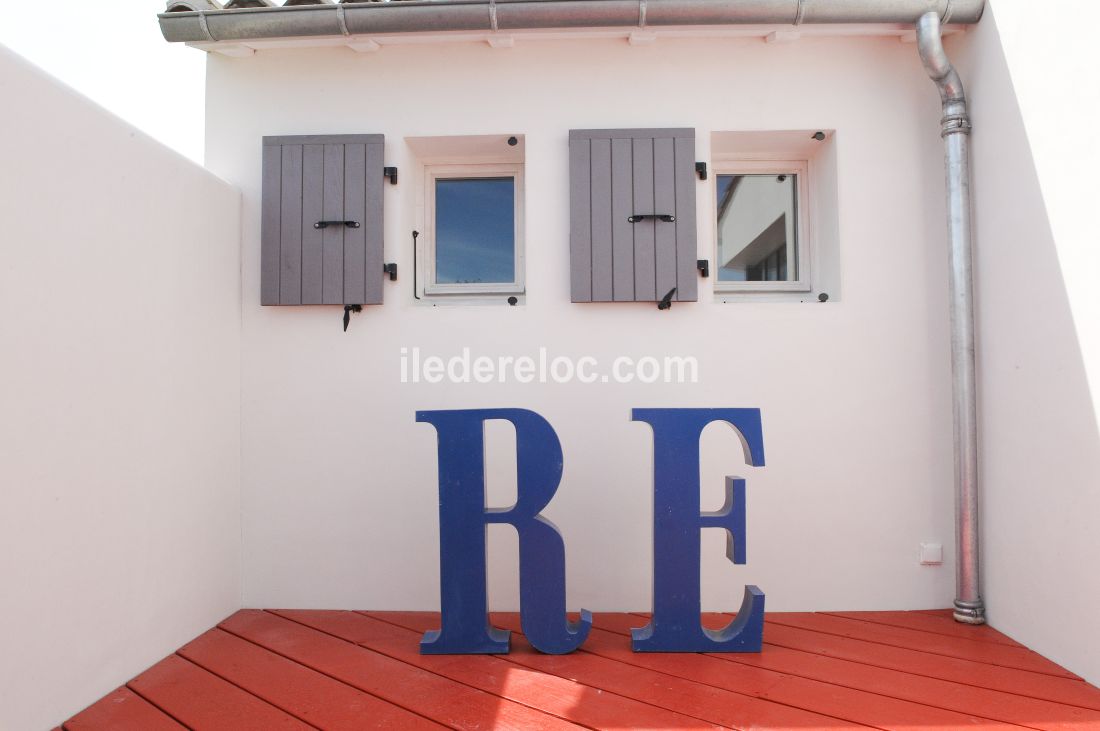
[762, 241]
[474, 229]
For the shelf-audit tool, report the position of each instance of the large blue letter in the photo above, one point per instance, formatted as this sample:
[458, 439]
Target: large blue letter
[677, 521]
[463, 523]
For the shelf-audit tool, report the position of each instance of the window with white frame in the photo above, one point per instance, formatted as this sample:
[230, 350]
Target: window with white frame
[762, 234]
[473, 218]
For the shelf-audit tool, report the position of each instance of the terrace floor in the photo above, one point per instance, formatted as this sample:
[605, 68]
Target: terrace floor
[354, 670]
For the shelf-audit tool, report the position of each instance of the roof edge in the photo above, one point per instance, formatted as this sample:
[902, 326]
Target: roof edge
[418, 16]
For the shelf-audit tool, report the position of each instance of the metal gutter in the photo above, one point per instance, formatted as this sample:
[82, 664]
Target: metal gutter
[955, 130]
[200, 20]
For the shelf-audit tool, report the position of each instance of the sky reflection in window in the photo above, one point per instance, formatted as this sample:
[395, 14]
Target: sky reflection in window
[475, 232]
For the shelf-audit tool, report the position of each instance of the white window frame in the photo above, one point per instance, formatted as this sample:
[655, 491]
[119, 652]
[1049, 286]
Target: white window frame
[432, 173]
[801, 170]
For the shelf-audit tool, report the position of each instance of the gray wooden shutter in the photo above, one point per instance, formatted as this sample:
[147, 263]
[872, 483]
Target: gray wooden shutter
[618, 173]
[309, 179]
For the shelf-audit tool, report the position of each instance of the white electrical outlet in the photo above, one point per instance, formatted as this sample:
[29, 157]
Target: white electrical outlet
[931, 554]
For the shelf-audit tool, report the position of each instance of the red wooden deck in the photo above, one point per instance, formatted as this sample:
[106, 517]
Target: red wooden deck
[908, 671]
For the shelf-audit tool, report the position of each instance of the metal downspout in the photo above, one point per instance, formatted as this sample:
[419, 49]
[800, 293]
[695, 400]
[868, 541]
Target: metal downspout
[955, 124]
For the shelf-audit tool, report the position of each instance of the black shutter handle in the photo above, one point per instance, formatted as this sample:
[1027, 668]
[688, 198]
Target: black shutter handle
[666, 301]
[638, 217]
[326, 224]
[348, 309]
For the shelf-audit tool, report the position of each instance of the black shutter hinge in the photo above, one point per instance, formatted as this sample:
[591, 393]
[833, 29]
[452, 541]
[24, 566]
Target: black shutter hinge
[391, 270]
[701, 170]
[703, 265]
[390, 173]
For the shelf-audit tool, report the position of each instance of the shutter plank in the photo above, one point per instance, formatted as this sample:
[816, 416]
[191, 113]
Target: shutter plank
[332, 264]
[580, 220]
[313, 175]
[290, 257]
[687, 280]
[664, 195]
[355, 180]
[645, 282]
[622, 231]
[602, 289]
[374, 224]
[270, 236]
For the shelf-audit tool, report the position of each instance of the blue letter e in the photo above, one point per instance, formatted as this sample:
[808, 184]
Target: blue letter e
[463, 522]
[677, 521]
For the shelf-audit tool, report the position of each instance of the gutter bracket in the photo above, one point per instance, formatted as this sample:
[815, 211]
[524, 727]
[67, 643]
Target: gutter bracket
[205, 26]
[342, 20]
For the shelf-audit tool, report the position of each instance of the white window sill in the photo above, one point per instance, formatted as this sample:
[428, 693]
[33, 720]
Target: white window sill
[468, 299]
[728, 298]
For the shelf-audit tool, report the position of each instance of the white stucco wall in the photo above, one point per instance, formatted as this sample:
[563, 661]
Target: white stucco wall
[1033, 81]
[339, 482]
[119, 430]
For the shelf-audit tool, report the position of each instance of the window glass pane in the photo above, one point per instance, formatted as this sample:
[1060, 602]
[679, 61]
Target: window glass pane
[757, 228]
[475, 233]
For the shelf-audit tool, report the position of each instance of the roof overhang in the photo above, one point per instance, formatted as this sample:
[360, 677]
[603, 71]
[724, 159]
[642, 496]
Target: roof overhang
[202, 22]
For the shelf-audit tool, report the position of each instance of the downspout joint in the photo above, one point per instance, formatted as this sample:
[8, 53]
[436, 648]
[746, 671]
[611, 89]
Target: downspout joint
[955, 124]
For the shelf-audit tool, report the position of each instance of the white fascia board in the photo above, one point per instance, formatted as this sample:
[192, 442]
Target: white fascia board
[788, 33]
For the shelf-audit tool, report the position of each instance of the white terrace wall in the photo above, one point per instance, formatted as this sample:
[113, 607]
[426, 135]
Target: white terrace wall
[119, 425]
[1034, 82]
[339, 482]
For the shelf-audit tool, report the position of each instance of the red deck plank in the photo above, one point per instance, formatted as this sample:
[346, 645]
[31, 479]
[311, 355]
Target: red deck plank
[826, 698]
[984, 652]
[122, 710]
[202, 700]
[932, 623]
[1019, 682]
[716, 705]
[501, 676]
[306, 694]
[427, 694]
[932, 691]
